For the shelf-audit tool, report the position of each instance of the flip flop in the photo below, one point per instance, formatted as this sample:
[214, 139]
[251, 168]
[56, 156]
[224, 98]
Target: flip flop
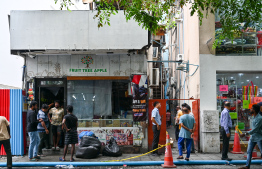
[180, 157]
[37, 157]
[187, 159]
[72, 160]
[61, 159]
[33, 159]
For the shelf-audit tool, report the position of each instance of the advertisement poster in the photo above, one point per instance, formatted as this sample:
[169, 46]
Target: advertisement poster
[122, 136]
[139, 93]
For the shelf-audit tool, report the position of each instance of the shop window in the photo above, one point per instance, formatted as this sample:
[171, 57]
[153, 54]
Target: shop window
[242, 90]
[101, 103]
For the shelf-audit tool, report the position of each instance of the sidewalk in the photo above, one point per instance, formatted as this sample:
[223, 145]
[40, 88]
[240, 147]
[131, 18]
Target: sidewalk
[194, 156]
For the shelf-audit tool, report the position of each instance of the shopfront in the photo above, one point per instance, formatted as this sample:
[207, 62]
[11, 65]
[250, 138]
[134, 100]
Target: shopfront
[108, 93]
[242, 90]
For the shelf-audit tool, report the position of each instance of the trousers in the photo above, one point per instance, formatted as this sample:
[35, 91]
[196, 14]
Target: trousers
[155, 138]
[225, 142]
[7, 147]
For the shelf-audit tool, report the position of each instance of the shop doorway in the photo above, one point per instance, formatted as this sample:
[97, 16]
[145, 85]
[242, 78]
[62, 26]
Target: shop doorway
[48, 90]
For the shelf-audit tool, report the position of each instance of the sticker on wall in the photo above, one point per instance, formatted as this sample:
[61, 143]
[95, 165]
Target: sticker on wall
[223, 88]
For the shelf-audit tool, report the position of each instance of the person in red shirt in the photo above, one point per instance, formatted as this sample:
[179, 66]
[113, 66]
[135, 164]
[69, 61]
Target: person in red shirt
[259, 39]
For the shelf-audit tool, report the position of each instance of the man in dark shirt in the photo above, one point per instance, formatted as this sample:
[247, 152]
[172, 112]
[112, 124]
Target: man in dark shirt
[32, 123]
[70, 125]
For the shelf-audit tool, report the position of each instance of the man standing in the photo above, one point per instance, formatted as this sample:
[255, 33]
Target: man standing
[5, 139]
[226, 125]
[256, 134]
[57, 116]
[177, 118]
[188, 126]
[70, 125]
[156, 120]
[32, 123]
[43, 130]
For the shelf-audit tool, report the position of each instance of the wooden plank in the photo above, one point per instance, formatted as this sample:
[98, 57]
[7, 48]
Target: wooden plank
[98, 78]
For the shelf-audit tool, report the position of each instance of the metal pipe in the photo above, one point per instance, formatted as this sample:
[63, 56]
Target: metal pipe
[131, 163]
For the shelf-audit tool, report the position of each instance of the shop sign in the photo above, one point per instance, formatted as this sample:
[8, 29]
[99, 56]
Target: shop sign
[87, 70]
[139, 93]
[257, 99]
[223, 88]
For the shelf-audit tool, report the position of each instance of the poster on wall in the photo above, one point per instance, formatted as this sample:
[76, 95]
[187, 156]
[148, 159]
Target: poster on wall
[122, 136]
[139, 94]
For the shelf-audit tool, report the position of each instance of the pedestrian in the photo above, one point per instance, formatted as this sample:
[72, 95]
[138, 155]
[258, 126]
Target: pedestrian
[43, 130]
[5, 139]
[56, 121]
[191, 114]
[70, 125]
[168, 119]
[177, 118]
[188, 126]
[156, 121]
[32, 123]
[256, 134]
[226, 125]
[260, 109]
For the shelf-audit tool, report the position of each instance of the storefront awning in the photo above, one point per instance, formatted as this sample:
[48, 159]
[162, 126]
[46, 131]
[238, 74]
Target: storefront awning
[73, 31]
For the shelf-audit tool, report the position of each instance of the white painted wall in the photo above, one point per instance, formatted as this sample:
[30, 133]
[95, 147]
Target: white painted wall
[106, 65]
[210, 65]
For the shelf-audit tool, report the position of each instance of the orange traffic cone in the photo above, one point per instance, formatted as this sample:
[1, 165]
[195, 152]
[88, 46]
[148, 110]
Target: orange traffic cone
[236, 146]
[168, 162]
[254, 154]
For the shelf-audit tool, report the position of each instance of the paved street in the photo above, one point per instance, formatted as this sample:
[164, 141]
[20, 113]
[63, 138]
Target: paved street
[195, 156]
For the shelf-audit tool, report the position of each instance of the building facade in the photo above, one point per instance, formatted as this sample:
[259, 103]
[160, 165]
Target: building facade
[101, 72]
[231, 72]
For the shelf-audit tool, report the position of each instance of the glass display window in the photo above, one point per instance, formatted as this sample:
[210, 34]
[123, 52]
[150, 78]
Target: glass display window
[242, 90]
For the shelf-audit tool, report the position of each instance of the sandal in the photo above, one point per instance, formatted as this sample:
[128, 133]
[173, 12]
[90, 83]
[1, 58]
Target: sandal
[57, 148]
[61, 159]
[37, 157]
[33, 159]
[53, 148]
[187, 159]
[72, 160]
[180, 157]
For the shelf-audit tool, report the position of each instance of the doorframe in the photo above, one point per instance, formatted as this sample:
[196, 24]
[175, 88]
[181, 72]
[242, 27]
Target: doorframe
[38, 85]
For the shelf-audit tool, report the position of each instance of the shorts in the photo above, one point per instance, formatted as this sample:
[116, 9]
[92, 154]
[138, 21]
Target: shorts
[56, 129]
[71, 137]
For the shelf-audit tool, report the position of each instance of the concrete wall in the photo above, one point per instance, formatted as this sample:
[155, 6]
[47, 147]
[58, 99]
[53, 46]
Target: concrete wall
[64, 30]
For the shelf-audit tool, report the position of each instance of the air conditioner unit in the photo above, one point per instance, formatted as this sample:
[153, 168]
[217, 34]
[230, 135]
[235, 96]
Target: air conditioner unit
[154, 77]
[155, 53]
[180, 58]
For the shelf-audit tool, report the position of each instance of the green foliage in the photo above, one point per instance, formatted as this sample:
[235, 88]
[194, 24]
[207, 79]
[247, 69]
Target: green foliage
[149, 13]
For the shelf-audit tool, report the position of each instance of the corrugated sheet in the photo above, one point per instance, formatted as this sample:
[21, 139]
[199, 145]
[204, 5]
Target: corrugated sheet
[16, 123]
[4, 108]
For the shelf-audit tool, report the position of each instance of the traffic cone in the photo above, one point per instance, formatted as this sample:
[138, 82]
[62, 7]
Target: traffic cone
[236, 146]
[254, 154]
[168, 161]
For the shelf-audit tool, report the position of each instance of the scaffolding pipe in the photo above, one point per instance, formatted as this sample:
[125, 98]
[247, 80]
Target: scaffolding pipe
[131, 163]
